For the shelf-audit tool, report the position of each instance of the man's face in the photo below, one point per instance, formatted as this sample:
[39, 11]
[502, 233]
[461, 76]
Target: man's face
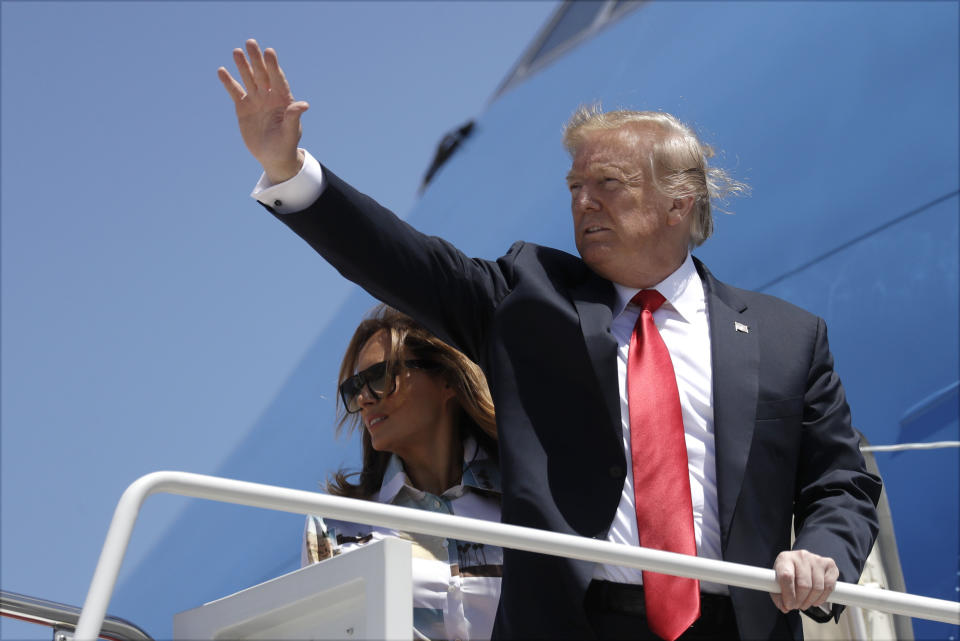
[625, 230]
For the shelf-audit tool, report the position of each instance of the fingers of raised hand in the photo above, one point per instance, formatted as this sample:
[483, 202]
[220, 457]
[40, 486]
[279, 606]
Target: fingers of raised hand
[278, 81]
[234, 88]
[260, 75]
[245, 71]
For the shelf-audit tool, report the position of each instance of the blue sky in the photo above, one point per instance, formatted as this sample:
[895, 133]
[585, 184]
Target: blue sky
[150, 309]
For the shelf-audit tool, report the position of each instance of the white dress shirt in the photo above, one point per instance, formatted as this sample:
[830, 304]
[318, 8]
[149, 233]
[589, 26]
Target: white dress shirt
[456, 584]
[682, 321]
[295, 194]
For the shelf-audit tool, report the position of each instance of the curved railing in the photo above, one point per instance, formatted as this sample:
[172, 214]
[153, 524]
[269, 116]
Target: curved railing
[63, 618]
[509, 536]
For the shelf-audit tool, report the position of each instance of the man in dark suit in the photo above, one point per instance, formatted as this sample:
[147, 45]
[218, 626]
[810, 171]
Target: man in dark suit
[760, 416]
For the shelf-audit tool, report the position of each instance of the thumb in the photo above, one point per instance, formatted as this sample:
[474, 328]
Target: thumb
[291, 117]
[295, 109]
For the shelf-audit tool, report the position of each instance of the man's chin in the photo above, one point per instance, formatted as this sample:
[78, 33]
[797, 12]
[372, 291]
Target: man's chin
[601, 268]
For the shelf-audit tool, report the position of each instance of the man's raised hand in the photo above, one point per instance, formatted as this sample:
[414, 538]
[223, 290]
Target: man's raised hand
[268, 116]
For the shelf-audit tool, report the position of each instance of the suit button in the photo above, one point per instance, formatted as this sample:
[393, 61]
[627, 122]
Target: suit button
[278, 203]
[616, 471]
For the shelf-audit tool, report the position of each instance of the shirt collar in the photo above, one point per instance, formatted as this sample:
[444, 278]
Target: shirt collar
[394, 479]
[683, 290]
[479, 472]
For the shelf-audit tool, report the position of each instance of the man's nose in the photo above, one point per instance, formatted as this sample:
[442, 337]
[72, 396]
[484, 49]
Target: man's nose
[584, 200]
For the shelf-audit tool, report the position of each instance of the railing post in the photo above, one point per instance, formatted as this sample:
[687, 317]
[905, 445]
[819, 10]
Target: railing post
[111, 556]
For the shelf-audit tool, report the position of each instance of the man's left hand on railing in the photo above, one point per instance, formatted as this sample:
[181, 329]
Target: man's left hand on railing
[806, 580]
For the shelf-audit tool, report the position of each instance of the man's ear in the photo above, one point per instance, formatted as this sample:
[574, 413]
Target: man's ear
[679, 210]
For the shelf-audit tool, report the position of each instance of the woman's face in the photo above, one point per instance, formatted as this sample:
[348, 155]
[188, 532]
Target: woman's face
[414, 414]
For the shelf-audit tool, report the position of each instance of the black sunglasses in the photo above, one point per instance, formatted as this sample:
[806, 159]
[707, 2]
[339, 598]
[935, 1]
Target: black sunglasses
[377, 380]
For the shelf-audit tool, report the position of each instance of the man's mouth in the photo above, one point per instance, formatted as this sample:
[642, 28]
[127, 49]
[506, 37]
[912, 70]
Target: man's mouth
[592, 229]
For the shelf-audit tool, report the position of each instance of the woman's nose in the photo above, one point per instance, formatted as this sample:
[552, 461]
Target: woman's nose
[365, 396]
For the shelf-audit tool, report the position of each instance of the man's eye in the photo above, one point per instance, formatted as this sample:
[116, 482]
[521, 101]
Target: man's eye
[573, 186]
[611, 182]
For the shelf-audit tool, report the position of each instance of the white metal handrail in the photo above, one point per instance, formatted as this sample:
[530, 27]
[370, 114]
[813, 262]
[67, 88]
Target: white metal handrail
[425, 522]
[62, 617]
[904, 447]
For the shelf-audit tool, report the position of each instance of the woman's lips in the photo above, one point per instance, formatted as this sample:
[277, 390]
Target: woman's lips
[374, 420]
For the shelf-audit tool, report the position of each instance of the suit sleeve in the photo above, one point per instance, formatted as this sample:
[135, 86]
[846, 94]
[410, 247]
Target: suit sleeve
[426, 277]
[835, 504]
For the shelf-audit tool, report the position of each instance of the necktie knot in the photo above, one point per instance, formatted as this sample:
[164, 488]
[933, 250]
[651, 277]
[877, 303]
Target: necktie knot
[649, 300]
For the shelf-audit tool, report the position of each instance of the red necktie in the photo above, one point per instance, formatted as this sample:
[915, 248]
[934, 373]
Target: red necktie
[661, 481]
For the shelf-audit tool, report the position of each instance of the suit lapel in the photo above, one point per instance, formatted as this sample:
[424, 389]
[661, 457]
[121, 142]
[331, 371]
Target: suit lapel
[594, 298]
[736, 361]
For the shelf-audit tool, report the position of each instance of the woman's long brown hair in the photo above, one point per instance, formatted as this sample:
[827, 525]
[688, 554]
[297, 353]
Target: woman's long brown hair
[476, 416]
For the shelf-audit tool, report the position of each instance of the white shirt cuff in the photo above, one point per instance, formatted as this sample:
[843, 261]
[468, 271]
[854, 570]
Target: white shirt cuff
[295, 194]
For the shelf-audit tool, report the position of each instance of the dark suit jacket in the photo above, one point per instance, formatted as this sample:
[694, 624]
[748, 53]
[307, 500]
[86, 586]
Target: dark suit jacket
[538, 322]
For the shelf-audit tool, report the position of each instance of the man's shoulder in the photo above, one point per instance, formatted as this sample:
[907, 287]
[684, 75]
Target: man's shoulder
[757, 302]
[556, 264]
[546, 255]
[767, 302]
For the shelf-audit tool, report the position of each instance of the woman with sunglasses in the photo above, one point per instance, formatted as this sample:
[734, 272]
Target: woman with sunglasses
[428, 437]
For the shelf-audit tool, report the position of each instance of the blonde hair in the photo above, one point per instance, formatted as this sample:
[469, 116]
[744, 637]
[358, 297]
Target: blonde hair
[476, 417]
[678, 161]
